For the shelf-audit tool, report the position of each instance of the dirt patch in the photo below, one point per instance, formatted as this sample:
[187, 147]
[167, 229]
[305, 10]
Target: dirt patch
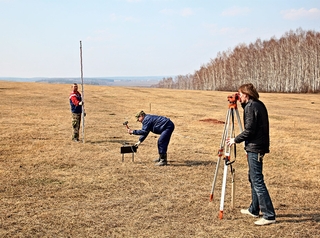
[212, 120]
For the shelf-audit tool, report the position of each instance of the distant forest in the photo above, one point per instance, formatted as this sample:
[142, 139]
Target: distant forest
[290, 64]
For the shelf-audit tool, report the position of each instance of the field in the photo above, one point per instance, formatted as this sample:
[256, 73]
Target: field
[53, 187]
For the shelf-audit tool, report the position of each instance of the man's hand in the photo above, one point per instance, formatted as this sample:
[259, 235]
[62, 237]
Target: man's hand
[230, 141]
[81, 103]
[130, 131]
[137, 144]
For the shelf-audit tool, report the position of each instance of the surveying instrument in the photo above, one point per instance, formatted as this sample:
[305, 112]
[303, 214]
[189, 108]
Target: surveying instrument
[228, 132]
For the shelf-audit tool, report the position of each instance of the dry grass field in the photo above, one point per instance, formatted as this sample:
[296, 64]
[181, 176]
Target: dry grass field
[53, 187]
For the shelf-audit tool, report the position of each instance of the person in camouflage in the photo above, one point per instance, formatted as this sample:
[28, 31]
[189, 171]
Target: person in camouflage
[76, 103]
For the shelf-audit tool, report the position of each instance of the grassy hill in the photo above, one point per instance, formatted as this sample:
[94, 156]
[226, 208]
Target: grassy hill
[53, 187]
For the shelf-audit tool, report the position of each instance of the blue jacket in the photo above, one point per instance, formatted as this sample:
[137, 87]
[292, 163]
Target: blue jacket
[153, 123]
[75, 98]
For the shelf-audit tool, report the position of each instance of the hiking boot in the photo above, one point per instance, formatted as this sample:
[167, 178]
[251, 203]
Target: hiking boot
[246, 212]
[162, 160]
[157, 160]
[161, 163]
[263, 222]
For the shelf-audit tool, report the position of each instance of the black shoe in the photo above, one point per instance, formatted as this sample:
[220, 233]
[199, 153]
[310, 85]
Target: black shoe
[157, 160]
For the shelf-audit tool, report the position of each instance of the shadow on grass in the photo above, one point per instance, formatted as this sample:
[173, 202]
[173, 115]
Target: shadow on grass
[298, 218]
[184, 163]
[190, 163]
[117, 141]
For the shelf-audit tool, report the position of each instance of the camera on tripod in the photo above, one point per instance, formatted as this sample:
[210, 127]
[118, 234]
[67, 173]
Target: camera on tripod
[234, 98]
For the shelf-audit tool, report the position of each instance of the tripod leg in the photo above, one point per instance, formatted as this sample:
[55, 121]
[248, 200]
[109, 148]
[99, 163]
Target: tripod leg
[215, 177]
[227, 159]
[220, 152]
[233, 188]
[223, 190]
[235, 111]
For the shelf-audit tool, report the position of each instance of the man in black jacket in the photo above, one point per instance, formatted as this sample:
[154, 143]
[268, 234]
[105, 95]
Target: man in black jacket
[257, 141]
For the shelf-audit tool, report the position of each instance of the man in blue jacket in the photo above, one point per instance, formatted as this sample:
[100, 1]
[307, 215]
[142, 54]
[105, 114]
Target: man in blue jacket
[76, 103]
[160, 125]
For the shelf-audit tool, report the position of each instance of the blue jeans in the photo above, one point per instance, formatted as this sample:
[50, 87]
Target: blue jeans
[260, 196]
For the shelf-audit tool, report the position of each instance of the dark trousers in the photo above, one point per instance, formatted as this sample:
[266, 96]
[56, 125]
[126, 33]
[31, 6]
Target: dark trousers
[164, 138]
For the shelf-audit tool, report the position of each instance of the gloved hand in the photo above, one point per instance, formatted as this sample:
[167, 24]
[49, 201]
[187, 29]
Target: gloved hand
[137, 144]
[81, 103]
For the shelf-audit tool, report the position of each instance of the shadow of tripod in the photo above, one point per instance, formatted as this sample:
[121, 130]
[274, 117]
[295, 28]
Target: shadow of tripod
[225, 150]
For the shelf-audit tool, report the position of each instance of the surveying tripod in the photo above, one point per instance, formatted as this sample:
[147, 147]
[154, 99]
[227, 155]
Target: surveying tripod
[228, 132]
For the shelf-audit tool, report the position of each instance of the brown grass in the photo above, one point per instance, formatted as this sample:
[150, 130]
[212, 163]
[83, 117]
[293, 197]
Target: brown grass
[53, 187]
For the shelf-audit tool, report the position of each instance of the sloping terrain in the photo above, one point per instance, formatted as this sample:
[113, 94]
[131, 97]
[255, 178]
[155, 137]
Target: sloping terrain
[53, 187]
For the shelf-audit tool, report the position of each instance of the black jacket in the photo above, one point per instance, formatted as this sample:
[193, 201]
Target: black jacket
[256, 127]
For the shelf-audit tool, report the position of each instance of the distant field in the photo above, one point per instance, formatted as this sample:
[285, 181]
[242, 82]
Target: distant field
[53, 187]
[123, 81]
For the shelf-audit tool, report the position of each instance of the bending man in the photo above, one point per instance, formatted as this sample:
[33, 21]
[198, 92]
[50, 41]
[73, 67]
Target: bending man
[160, 125]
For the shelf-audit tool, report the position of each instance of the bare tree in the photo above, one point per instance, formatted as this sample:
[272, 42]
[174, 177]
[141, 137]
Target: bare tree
[289, 64]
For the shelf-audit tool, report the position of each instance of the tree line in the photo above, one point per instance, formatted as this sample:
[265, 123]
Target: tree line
[290, 64]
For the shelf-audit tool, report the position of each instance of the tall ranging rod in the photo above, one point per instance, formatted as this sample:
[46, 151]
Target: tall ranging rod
[83, 112]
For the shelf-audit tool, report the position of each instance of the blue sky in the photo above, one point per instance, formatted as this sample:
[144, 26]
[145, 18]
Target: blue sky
[41, 38]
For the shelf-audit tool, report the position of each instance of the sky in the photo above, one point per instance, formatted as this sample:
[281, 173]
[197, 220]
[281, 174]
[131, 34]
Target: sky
[41, 38]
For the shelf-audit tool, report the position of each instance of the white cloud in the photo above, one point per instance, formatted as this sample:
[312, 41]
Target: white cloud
[236, 11]
[130, 19]
[212, 28]
[186, 12]
[215, 30]
[167, 11]
[294, 14]
[101, 36]
[233, 31]
[115, 17]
